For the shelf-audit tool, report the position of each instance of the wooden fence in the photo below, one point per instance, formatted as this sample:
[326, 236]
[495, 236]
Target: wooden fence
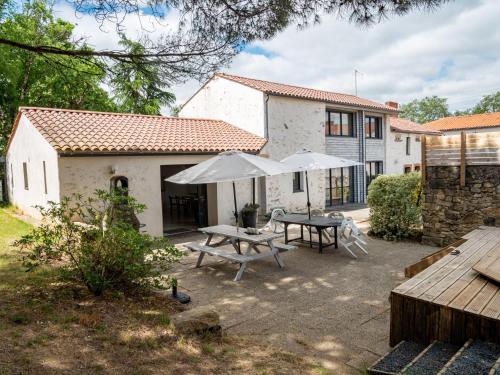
[460, 150]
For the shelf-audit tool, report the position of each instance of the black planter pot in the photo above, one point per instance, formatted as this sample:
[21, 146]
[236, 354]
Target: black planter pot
[249, 219]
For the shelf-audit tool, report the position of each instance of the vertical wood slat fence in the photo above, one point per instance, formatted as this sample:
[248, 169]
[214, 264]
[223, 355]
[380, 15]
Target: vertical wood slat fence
[460, 150]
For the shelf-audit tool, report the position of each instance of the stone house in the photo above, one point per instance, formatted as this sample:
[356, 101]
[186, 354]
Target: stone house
[53, 153]
[404, 152]
[291, 118]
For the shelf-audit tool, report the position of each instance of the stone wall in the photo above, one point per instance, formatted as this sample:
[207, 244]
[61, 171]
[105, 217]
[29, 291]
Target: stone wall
[449, 211]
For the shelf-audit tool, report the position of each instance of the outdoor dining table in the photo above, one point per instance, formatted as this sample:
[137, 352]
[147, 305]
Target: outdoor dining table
[257, 246]
[320, 223]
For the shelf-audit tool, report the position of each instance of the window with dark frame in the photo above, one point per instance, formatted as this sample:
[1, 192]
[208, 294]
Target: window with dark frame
[25, 174]
[408, 145]
[298, 185]
[339, 124]
[44, 178]
[373, 127]
[339, 183]
[416, 167]
[373, 169]
[407, 169]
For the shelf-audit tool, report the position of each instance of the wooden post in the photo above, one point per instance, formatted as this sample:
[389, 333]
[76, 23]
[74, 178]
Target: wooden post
[463, 146]
[423, 162]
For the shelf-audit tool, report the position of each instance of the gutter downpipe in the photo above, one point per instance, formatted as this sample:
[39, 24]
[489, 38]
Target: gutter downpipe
[266, 118]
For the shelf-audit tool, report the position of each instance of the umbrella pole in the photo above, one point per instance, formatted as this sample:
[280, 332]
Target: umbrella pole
[308, 201]
[235, 206]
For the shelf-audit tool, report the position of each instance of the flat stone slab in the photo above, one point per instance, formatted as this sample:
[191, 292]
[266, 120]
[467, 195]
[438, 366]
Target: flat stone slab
[199, 320]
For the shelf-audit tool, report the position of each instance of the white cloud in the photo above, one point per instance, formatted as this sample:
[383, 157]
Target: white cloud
[452, 52]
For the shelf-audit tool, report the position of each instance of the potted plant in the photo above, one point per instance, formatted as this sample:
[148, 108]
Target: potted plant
[249, 215]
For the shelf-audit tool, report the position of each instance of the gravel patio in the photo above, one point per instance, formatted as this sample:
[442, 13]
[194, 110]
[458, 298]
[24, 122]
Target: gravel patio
[329, 308]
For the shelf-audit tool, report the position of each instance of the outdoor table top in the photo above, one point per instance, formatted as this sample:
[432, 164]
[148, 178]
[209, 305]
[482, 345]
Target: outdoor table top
[319, 221]
[239, 233]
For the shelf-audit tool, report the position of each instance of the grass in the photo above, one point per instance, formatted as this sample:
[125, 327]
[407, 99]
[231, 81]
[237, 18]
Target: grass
[53, 327]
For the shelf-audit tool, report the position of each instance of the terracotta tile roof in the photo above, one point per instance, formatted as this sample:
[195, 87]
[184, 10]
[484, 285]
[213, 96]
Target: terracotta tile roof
[102, 132]
[406, 126]
[273, 88]
[483, 120]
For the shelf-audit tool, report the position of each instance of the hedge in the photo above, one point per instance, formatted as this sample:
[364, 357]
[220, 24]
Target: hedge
[395, 206]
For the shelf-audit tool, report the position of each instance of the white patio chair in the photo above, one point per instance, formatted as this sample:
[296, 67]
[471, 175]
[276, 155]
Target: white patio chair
[273, 224]
[349, 235]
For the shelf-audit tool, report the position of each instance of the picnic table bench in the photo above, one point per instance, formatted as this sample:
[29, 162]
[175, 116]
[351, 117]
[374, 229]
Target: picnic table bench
[259, 246]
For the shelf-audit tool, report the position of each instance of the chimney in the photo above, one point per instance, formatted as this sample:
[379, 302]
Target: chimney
[393, 105]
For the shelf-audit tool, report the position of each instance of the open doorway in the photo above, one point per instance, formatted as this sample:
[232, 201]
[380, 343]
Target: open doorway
[184, 207]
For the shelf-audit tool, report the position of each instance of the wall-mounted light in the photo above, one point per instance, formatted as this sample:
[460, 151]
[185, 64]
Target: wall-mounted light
[112, 169]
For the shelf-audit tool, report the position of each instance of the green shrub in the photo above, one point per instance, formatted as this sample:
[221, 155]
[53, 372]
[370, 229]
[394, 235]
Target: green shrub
[394, 202]
[103, 250]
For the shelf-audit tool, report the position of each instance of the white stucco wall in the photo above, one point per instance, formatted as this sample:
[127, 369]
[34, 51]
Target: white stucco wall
[86, 174]
[396, 152]
[222, 99]
[28, 146]
[294, 124]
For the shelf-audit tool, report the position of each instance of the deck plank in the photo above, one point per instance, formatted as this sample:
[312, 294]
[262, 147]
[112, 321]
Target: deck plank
[455, 265]
[489, 266]
[468, 293]
[462, 270]
[425, 274]
[492, 309]
[482, 298]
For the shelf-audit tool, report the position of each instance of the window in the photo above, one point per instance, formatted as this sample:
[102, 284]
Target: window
[298, 180]
[373, 169]
[44, 177]
[339, 124]
[407, 168]
[416, 168]
[408, 145]
[373, 127]
[338, 186]
[25, 174]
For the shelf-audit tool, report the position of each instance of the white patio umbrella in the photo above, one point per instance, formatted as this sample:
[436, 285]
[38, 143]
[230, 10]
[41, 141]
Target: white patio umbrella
[306, 160]
[229, 166]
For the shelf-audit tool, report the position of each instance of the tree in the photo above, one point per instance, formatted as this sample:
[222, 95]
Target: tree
[427, 109]
[139, 88]
[489, 103]
[27, 78]
[209, 33]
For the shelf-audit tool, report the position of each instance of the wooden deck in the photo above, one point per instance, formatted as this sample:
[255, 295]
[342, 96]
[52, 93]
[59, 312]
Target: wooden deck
[450, 301]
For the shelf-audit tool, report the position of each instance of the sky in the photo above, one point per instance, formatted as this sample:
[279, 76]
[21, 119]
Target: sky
[453, 52]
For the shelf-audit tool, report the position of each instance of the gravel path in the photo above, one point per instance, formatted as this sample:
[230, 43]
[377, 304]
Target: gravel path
[434, 359]
[477, 359]
[400, 357]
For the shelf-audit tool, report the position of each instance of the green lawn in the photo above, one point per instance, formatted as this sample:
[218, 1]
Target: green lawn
[52, 327]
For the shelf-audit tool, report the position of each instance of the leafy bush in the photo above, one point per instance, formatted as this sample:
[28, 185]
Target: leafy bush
[394, 202]
[103, 249]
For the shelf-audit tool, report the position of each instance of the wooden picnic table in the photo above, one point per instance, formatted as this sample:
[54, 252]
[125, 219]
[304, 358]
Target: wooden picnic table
[320, 223]
[236, 236]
